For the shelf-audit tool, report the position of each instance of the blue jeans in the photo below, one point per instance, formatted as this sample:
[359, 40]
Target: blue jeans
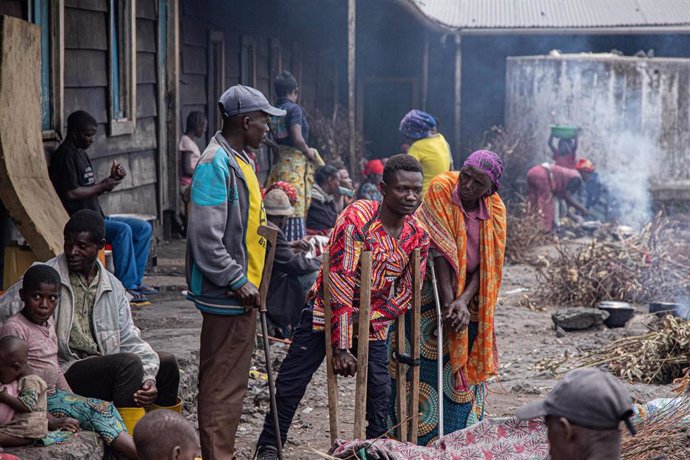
[131, 240]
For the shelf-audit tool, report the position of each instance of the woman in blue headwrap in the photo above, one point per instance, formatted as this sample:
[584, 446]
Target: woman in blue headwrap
[428, 146]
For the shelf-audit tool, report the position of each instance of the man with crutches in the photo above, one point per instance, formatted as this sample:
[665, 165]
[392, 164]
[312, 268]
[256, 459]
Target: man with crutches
[388, 234]
[466, 221]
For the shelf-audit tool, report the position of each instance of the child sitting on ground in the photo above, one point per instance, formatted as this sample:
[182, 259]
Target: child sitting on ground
[40, 294]
[166, 435]
[23, 400]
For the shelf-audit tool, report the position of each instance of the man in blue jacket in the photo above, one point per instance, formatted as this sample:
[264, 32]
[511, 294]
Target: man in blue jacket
[225, 258]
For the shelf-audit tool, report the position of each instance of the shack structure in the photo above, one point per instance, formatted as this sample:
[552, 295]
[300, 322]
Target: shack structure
[140, 66]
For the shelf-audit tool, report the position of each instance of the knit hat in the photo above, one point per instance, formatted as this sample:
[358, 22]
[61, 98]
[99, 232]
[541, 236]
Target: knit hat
[277, 203]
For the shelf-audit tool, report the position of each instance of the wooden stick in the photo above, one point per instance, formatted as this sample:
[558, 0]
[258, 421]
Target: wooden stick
[332, 381]
[401, 378]
[362, 346]
[415, 344]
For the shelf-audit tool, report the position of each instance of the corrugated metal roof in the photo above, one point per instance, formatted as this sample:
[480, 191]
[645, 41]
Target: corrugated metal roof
[553, 14]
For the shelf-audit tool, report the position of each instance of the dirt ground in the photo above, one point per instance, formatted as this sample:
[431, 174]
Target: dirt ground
[525, 337]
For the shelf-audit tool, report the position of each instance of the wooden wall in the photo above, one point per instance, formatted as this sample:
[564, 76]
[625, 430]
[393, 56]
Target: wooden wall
[278, 43]
[86, 88]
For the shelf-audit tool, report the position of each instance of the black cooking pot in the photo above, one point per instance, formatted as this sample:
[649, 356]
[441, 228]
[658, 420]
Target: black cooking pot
[669, 308]
[619, 313]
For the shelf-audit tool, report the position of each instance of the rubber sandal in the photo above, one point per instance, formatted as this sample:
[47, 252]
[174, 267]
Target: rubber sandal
[144, 289]
[137, 297]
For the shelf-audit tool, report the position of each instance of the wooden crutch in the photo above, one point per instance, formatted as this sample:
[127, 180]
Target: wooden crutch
[409, 405]
[362, 346]
[270, 234]
[362, 349]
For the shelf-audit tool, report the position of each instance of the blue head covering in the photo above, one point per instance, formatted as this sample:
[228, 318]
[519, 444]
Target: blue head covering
[417, 124]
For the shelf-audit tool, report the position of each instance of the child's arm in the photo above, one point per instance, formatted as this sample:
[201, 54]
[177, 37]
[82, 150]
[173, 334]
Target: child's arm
[13, 401]
[61, 382]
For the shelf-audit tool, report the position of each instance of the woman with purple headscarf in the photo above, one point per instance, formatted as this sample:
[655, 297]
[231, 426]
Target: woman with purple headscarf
[466, 221]
[428, 146]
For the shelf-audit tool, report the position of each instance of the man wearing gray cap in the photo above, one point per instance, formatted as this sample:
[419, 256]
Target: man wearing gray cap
[583, 413]
[225, 258]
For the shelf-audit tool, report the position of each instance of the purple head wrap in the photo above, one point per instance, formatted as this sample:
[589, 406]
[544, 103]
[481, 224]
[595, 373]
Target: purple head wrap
[489, 163]
[416, 124]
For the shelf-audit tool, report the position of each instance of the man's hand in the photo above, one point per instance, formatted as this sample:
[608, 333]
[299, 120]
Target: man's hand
[63, 423]
[108, 184]
[311, 154]
[344, 363]
[117, 171]
[248, 295]
[300, 245]
[147, 394]
[457, 315]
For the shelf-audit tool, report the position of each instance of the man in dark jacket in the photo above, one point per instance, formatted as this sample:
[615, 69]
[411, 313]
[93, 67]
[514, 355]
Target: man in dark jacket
[293, 273]
[323, 211]
[225, 258]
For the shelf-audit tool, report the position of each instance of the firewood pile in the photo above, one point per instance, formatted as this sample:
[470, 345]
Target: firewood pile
[517, 159]
[330, 135]
[652, 265]
[658, 357]
[523, 233]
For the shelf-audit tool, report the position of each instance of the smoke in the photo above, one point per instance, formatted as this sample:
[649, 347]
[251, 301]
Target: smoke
[629, 169]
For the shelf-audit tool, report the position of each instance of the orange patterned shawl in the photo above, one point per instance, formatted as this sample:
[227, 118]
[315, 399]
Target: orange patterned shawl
[446, 225]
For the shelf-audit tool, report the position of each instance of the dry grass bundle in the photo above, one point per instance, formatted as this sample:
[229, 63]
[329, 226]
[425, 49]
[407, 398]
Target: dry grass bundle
[330, 136]
[653, 265]
[524, 232]
[661, 434]
[658, 357]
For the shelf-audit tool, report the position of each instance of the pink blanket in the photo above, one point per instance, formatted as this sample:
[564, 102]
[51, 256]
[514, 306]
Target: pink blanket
[492, 439]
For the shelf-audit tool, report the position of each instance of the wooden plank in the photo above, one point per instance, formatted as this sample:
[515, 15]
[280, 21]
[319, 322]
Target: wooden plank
[193, 88]
[172, 89]
[401, 379]
[93, 5]
[143, 138]
[146, 35]
[146, 68]
[194, 60]
[25, 189]
[415, 327]
[146, 101]
[86, 68]
[93, 100]
[86, 29]
[362, 346]
[147, 9]
[193, 32]
[331, 378]
[457, 106]
[351, 82]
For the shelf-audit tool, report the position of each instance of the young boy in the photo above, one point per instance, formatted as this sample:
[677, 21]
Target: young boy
[166, 435]
[40, 294]
[23, 400]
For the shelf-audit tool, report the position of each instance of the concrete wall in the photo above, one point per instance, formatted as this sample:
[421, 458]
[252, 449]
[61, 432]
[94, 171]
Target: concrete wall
[611, 98]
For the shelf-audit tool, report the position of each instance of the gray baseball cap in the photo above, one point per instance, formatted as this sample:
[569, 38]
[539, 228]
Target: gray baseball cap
[590, 398]
[244, 99]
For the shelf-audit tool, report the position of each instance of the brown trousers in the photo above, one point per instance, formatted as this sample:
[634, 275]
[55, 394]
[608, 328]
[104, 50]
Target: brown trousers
[226, 351]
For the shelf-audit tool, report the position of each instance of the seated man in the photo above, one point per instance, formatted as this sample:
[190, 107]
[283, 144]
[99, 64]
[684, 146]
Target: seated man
[322, 211]
[583, 413]
[73, 177]
[101, 351]
[293, 273]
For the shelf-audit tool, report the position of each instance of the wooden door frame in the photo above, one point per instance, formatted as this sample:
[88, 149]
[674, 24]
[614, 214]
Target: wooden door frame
[214, 37]
[169, 97]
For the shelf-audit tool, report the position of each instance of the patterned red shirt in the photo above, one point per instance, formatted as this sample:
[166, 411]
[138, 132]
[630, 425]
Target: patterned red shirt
[359, 229]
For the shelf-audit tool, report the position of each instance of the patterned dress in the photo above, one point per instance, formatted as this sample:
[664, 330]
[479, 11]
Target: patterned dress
[470, 357]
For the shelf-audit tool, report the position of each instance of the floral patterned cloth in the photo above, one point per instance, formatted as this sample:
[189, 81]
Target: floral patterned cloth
[492, 439]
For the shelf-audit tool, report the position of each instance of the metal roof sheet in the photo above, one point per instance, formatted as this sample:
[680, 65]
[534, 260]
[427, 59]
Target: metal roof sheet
[553, 14]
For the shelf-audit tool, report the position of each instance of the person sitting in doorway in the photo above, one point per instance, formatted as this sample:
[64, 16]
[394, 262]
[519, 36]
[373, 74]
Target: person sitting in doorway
[100, 350]
[583, 413]
[372, 173]
[322, 210]
[293, 273]
[73, 177]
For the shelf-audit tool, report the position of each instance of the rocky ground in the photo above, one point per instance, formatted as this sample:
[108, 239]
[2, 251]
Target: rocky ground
[525, 333]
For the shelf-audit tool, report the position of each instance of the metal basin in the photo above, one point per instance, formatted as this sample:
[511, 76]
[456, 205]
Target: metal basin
[619, 313]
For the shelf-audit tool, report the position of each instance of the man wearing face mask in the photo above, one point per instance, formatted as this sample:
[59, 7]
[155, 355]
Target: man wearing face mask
[225, 258]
